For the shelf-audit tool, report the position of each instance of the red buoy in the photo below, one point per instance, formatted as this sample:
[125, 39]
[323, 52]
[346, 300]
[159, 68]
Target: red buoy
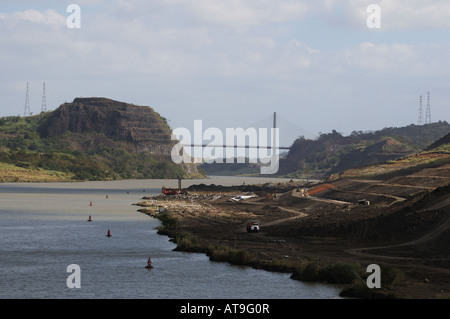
[149, 264]
[108, 234]
[90, 204]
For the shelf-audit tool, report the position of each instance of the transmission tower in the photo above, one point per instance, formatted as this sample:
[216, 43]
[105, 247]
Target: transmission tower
[44, 100]
[27, 111]
[420, 120]
[428, 115]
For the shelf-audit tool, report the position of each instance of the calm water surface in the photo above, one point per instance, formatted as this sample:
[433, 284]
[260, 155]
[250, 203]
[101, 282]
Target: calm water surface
[44, 228]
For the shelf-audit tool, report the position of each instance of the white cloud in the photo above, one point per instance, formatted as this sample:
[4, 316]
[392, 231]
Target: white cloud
[415, 14]
[247, 13]
[380, 58]
[395, 14]
[47, 18]
[230, 53]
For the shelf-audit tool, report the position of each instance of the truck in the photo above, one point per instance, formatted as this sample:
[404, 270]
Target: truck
[252, 227]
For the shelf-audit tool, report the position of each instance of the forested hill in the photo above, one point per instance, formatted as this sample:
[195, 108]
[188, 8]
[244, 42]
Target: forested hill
[333, 152]
[88, 139]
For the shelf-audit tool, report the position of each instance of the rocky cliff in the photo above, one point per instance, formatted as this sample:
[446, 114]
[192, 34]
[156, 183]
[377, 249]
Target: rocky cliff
[137, 128]
[93, 139]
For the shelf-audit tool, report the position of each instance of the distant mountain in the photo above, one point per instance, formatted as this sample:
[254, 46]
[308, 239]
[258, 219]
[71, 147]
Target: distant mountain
[332, 152]
[93, 139]
[231, 168]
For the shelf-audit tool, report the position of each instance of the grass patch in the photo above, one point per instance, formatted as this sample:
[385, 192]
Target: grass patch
[360, 290]
[345, 273]
[400, 167]
[390, 277]
[231, 255]
[13, 173]
[339, 273]
[278, 265]
[186, 241]
[168, 222]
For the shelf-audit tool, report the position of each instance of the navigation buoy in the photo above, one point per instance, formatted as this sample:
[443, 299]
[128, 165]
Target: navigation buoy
[106, 196]
[108, 234]
[149, 264]
[90, 204]
[90, 218]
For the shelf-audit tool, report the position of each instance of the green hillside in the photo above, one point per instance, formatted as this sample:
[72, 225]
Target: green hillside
[89, 139]
[332, 153]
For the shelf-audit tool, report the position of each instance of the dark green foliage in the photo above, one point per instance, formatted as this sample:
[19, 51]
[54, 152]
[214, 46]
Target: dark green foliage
[390, 276]
[167, 220]
[231, 255]
[186, 241]
[338, 273]
[22, 145]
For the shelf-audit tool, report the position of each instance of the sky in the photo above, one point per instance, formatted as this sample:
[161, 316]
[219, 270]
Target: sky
[320, 65]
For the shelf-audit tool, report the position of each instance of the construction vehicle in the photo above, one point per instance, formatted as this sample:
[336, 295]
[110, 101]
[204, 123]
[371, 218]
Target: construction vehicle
[252, 227]
[272, 195]
[241, 197]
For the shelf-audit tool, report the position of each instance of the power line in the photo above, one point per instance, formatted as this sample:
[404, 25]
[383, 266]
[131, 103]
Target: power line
[428, 115]
[44, 100]
[27, 111]
[420, 119]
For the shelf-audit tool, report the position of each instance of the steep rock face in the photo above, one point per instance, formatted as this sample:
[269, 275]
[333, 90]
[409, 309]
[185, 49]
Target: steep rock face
[140, 127]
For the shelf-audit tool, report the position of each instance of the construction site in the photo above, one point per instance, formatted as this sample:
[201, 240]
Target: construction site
[401, 220]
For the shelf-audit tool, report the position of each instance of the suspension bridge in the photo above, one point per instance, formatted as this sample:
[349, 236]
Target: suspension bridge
[295, 132]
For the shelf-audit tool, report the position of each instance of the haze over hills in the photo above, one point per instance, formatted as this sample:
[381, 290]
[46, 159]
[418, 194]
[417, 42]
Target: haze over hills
[89, 139]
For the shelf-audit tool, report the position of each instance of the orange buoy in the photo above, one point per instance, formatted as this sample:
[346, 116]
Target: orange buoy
[90, 204]
[108, 234]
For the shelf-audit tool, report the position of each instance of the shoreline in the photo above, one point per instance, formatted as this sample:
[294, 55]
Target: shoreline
[188, 242]
[206, 221]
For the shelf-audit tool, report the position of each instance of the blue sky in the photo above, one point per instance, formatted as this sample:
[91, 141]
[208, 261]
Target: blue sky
[233, 63]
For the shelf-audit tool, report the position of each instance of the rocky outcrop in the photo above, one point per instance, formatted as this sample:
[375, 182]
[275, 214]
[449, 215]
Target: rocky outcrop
[94, 121]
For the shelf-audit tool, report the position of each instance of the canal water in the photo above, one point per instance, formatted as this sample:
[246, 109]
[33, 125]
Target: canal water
[44, 229]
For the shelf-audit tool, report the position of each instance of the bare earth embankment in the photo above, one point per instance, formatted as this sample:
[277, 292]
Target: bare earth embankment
[406, 225]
